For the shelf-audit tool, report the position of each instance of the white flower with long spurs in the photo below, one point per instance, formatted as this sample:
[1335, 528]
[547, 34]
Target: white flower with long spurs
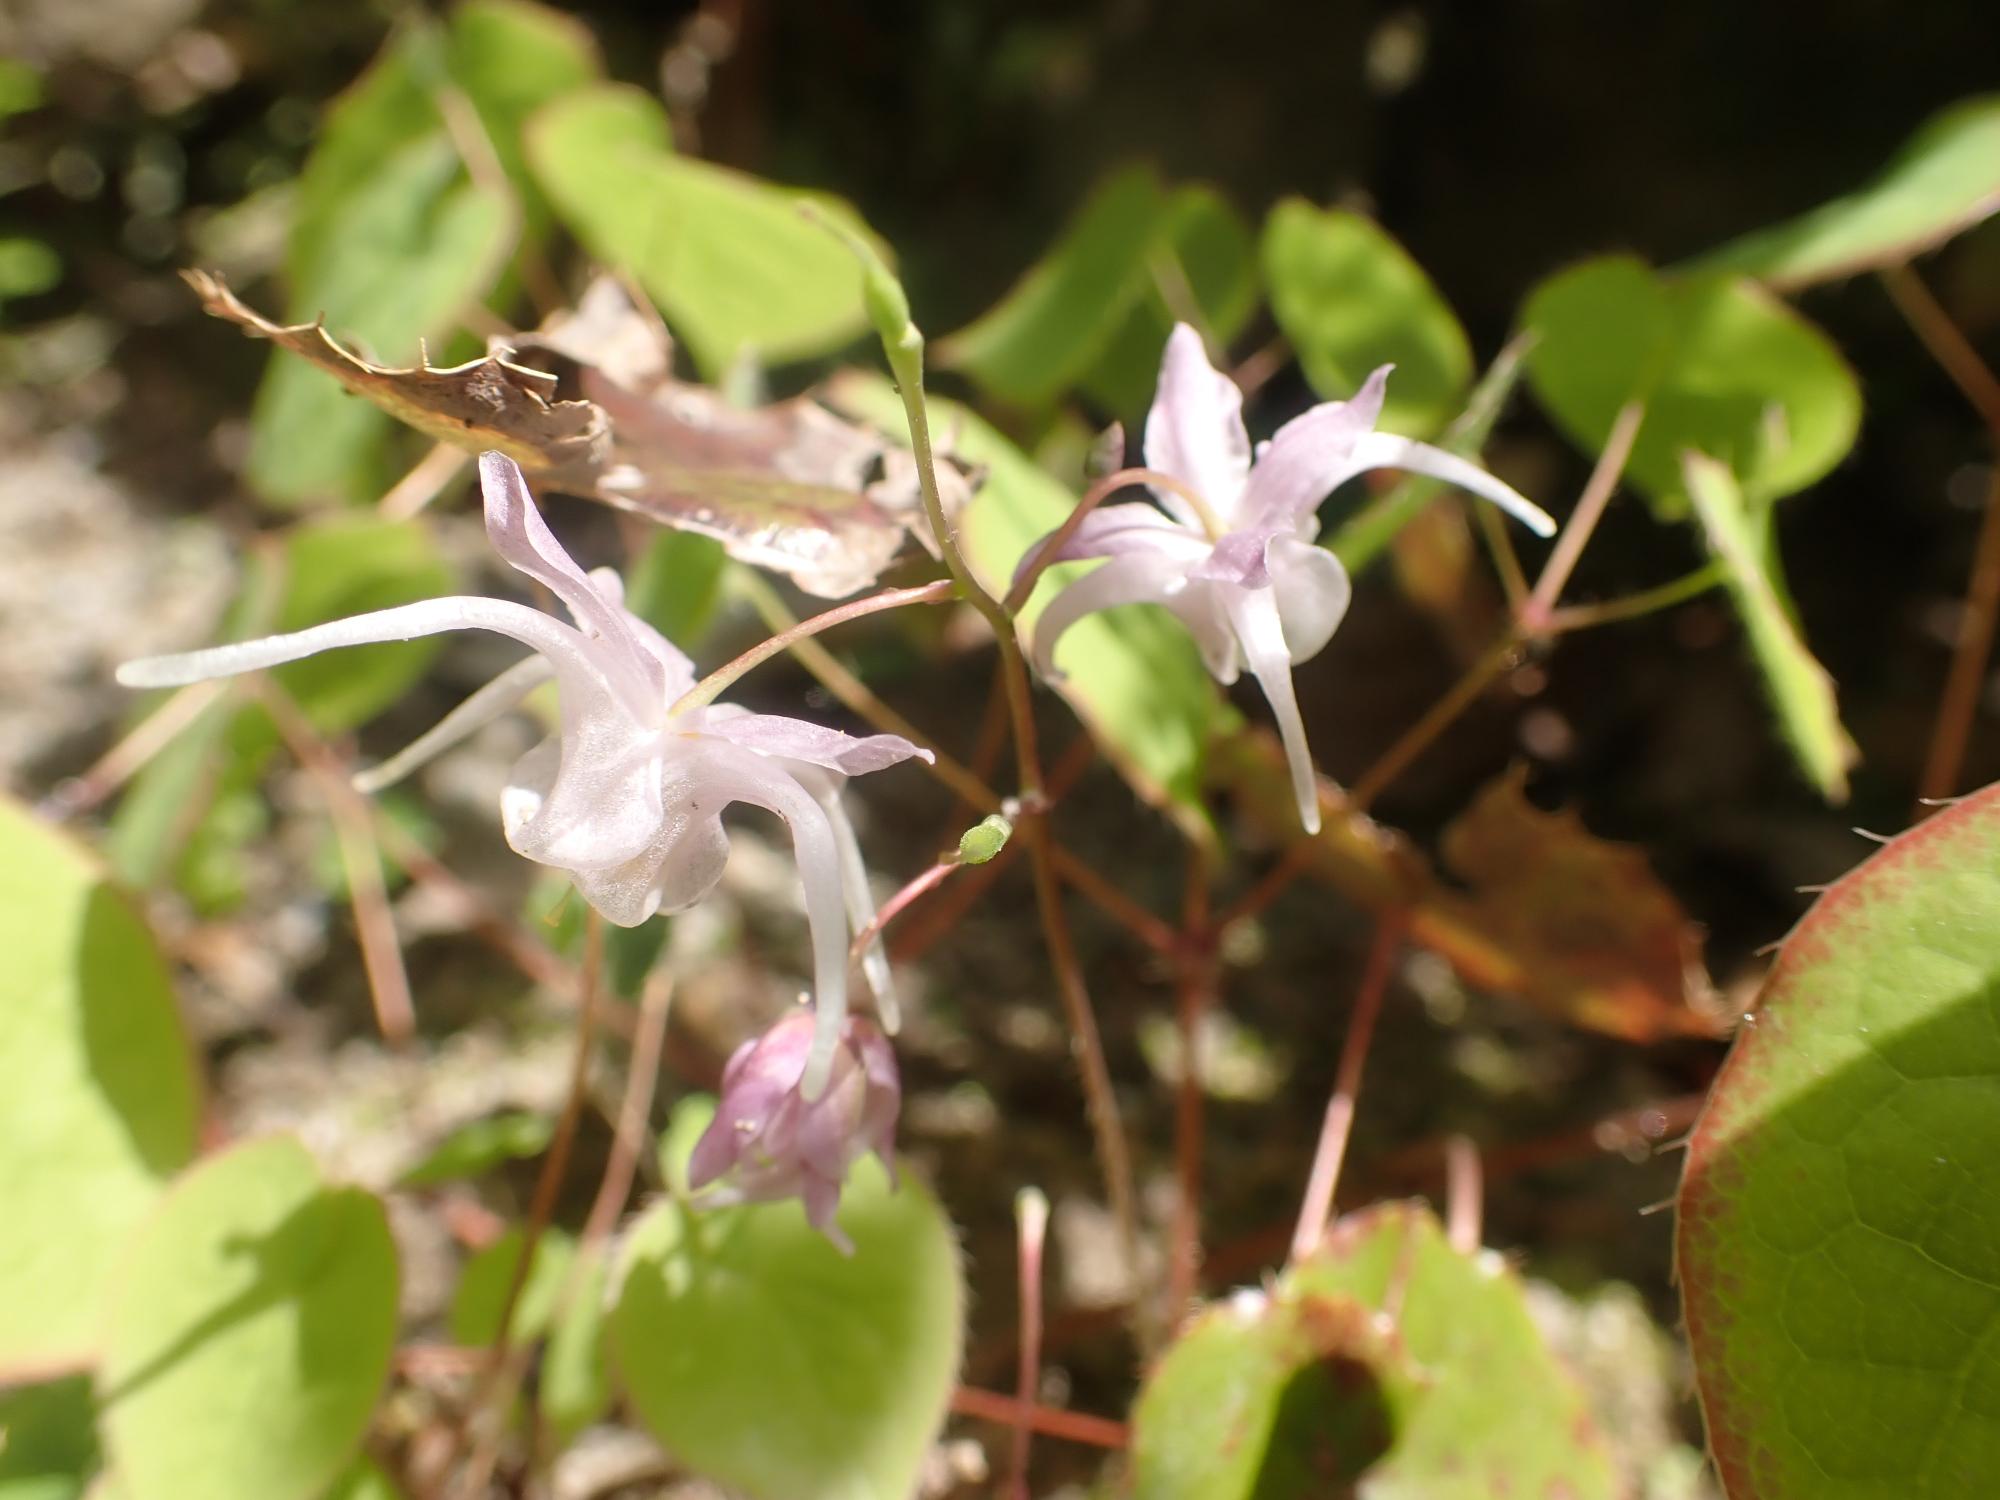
[1233, 552]
[627, 795]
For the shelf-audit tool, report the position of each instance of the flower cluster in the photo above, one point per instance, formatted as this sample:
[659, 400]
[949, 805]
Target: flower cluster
[1233, 553]
[627, 795]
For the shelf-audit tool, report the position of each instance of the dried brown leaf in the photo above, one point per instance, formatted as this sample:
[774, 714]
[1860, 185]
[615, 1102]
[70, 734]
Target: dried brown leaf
[1578, 927]
[488, 403]
[589, 405]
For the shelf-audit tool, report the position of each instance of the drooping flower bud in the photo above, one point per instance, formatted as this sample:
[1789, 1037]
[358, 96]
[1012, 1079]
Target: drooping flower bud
[768, 1141]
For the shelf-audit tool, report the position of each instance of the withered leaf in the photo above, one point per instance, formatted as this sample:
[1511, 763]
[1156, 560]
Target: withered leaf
[488, 403]
[589, 405]
[1576, 926]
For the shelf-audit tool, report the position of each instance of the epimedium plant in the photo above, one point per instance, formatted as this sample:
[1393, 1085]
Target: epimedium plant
[188, 1316]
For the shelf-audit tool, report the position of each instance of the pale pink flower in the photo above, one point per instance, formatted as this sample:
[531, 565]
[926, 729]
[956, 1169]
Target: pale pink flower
[1241, 569]
[769, 1140]
[627, 795]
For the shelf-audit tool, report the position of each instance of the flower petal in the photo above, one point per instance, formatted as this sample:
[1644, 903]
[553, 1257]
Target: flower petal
[1114, 530]
[1136, 578]
[825, 788]
[675, 666]
[1194, 431]
[730, 773]
[566, 648]
[1254, 612]
[1381, 450]
[524, 541]
[799, 739]
[1313, 592]
[1309, 457]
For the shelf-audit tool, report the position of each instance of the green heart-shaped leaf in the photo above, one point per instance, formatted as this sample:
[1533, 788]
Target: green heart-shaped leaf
[250, 1333]
[1839, 1232]
[1722, 366]
[765, 1359]
[97, 1090]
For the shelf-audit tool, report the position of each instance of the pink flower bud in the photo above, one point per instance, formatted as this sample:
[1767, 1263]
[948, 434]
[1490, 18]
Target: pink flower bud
[771, 1142]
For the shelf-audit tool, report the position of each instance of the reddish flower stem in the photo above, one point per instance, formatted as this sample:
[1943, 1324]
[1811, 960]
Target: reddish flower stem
[712, 685]
[1050, 550]
[1078, 1427]
[1032, 1210]
[1338, 1123]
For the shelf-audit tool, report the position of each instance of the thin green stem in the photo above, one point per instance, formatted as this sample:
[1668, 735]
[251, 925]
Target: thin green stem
[1634, 606]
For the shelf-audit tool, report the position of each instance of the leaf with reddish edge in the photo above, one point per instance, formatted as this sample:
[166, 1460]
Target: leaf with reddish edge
[1597, 942]
[1839, 1229]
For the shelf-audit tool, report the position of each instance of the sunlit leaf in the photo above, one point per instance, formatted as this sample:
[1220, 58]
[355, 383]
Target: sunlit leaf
[765, 1359]
[1944, 180]
[1348, 298]
[1060, 318]
[97, 1090]
[1800, 691]
[1722, 366]
[1839, 1234]
[732, 263]
[1135, 676]
[250, 1333]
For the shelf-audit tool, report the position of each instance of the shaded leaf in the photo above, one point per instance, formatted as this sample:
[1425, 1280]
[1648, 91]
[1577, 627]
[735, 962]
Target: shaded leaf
[97, 1091]
[1723, 367]
[48, 1443]
[1202, 269]
[1349, 298]
[474, 1318]
[1944, 180]
[1279, 1397]
[1496, 1414]
[1135, 677]
[1837, 1246]
[1798, 686]
[250, 1335]
[729, 259]
[1588, 919]
[575, 1380]
[1656, 992]
[477, 1147]
[1058, 320]
[765, 1359]
[787, 486]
